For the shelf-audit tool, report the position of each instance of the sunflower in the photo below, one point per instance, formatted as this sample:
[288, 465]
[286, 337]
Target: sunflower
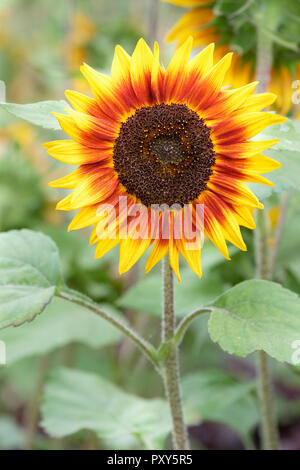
[281, 83]
[196, 22]
[163, 140]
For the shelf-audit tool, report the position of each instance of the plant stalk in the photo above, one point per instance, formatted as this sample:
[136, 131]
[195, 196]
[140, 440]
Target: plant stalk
[269, 431]
[279, 231]
[153, 20]
[171, 361]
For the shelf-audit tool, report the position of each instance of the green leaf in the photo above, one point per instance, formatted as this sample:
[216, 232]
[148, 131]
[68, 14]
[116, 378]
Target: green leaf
[287, 132]
[286, 177]
[289, 255]
[145, 295]
[38, 113]
[212, 395]
[286, 152]
[29, 273]
[61, 323]
[280, 40]
[76, 400]
[256, 315]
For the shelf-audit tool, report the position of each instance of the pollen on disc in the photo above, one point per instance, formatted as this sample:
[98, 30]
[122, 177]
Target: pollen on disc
[164, 154]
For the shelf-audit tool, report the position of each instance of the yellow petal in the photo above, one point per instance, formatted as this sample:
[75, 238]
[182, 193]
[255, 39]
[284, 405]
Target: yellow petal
[104, 92]
[157, 77]
[120, 69]
[93, 237]
[82, 103]
[231, 230]
[93, 188]
[68, 182]
[84, 217]
[65, 204]
[244, 149]
[104, 246]
[140, 70]
[192, 256]
[202, 63]
[234, 192]
[244, 216]
[217, 74]
[205, 93]
[229, 101]
[74, 153]
[249, 124]
[214, 233]
[177, 69]
[159, 250]
[174, 258]
[130, 252]
[100, 128]
[263, 164]
[259, 102]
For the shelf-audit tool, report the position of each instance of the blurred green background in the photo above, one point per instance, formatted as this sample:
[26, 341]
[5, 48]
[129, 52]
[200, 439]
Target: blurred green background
[42, 45]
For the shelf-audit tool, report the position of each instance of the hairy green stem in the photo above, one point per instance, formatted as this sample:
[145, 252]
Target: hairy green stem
[266, 264]
[263, 61]
[186, 321]
[153, 20]
[268, 424]
[269, 432]
[278, 232]
[262, 249]
[171, 360]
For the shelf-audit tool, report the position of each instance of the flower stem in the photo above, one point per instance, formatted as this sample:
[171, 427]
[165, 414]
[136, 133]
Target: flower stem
[279, 231]
[263, 61]
[187, 320]
[171, 361]
[153, 20]
[268, 424]
[269, 431]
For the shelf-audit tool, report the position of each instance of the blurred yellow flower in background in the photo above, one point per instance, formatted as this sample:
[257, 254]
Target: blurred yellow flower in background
[81, 31]
[200, 23]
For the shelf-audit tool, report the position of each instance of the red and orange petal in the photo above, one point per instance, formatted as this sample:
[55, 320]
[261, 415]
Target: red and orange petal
[140, 80]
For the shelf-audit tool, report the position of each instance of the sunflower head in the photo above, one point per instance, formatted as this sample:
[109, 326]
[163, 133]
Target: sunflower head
[153, 145]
